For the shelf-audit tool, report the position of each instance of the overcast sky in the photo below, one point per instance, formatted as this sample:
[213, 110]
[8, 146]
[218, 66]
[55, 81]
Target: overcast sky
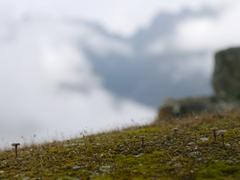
[120, 16]
[36, 56]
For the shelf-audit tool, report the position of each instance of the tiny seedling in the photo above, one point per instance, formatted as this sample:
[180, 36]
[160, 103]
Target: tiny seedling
[222, 134]
[175, 130]
[214, 133]
[15, 145]
[142, 142]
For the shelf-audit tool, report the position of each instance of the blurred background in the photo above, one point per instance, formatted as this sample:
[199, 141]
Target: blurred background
[69, 67]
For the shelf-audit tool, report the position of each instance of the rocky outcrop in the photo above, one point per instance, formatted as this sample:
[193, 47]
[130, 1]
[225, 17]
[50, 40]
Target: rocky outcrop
[226, 85]
[226, 77]
[185, 106]
[194, 106]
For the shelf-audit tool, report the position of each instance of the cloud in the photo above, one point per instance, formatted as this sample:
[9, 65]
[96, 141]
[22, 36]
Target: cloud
[210, 32]
[62, 75]
[120, 16]
[197, 33]
[41, 57]
[102, 45]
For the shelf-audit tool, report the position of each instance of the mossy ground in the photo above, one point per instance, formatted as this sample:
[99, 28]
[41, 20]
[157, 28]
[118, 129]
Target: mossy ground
[176, 149]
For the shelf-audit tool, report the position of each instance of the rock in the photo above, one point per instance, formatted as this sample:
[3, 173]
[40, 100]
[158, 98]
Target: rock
[181, 107]
[195, 154]
[178, 165]
[228, 145]
[191, 143]
[76, 168]
[105, 168]
[204, 139]
[26, 178]
[221, 132]
[226, 84]
[139, 155]
[226, 77]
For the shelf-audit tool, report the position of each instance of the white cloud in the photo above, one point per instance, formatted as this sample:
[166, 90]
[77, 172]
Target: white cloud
[33, 64]
[211, 33]
[37, 55]
[157, 47]
[185, 68]
[119, 16]
[201, 34]
[103, 45]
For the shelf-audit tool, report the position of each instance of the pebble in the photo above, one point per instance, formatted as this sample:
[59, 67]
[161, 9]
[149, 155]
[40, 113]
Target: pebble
[195, 154]
[221, 132]
[230, 161]
[3, 163]
[105, 168]
[228, 145]
[178, 165]
[76, 167]
[139, 155]
[26, 178]
[205, 139]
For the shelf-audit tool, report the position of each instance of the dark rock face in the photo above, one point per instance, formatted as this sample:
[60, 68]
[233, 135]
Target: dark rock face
[194, 106]
[226, 77]
[226, 84]
[187, 106]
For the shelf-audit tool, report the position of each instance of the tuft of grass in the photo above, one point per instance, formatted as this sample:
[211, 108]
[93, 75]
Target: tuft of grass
[177, 149]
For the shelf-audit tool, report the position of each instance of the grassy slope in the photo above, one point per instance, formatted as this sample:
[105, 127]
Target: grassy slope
[154, 152]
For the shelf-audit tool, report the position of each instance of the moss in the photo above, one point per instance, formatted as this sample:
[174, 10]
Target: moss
[219, 170]
[149, 152]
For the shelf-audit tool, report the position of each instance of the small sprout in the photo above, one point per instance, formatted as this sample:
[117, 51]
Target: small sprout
[175, 130]
[168, 138]
[15, 145]
[222, 133]
[214, 133]
[142, 142]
